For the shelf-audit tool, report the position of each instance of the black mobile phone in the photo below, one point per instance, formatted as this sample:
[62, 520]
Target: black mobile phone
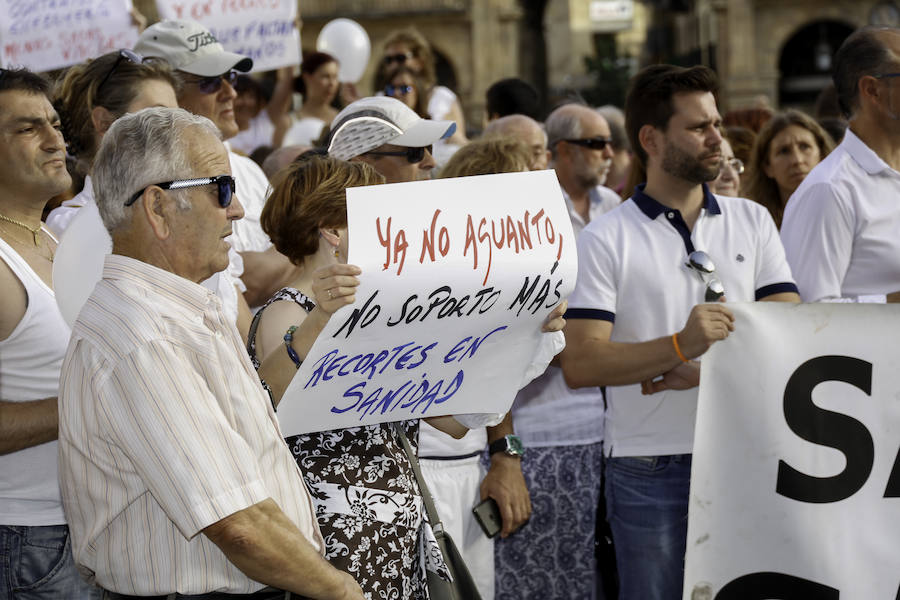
[487, 513]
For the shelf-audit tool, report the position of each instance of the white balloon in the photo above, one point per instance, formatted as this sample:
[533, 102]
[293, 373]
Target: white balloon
[78, 262]
[348, 42]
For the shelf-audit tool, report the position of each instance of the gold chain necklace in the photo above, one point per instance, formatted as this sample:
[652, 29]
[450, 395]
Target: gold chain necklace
[34, 232]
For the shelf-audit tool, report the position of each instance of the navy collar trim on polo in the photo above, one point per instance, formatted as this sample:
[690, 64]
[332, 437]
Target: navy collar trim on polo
[653, 209]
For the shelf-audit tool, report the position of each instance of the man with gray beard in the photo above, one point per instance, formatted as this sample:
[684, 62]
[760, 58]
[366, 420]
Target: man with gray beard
[581, 146]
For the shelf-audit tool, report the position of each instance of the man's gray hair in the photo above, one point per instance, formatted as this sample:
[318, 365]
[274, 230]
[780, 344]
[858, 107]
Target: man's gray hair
[862, 53]
[562, 125]
[615, 118]
[512, 126]
[141, 149]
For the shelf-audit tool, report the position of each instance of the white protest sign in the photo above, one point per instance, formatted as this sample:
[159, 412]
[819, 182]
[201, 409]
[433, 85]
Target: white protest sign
[795, 487]
[458, 276]
[261, 29]
[50, 34]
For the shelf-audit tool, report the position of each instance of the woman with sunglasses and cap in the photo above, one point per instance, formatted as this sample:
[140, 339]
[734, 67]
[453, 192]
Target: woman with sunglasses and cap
[92, 95]
[318, 83]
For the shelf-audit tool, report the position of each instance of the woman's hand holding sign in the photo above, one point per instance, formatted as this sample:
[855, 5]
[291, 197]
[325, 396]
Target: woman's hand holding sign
[334, 286]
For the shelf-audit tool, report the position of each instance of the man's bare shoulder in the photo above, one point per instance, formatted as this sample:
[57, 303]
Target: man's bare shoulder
[13, 300]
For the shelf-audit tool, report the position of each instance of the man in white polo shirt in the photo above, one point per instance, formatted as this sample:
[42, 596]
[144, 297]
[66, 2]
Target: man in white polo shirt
[841, 228]
[638, 317]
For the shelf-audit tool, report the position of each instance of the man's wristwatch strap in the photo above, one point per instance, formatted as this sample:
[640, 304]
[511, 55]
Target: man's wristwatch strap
[510, 445]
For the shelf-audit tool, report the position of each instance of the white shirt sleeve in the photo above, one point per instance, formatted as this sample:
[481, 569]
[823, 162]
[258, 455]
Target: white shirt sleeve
[773, 274]
[817, 234]
[596, 285]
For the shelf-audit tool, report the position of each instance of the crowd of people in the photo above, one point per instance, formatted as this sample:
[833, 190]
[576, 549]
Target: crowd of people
[140, 448]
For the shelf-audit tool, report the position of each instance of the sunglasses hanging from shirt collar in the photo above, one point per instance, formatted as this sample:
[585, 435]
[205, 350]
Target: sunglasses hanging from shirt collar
[700, 263]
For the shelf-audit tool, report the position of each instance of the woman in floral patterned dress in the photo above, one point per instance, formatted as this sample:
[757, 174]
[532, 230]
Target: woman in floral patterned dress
[367, 501]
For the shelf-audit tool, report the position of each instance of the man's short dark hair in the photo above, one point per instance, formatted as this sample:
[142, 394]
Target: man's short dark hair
[863, 53]
[513, 96]
[23, 80]
[649, 99]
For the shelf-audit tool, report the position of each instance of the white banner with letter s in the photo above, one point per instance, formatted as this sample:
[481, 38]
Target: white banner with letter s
[795, 487]
[458, 276]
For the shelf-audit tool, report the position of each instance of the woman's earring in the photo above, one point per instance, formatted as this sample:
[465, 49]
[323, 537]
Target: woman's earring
[337, 252]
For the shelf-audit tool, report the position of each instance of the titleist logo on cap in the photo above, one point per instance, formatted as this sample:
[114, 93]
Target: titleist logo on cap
[201, 39]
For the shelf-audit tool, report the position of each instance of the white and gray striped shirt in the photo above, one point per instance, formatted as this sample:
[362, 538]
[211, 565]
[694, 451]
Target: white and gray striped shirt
[165, 430]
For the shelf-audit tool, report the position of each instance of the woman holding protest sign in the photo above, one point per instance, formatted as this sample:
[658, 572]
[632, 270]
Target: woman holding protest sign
[368, 504]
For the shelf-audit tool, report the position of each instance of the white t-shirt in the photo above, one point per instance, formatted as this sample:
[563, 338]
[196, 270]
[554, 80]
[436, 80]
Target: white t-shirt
[222, 283]
[303, 132]
[252, 189]
[841, 228]
[602, 201]
[60, 217]
[631, 271]
[30, 361]
[260, 133]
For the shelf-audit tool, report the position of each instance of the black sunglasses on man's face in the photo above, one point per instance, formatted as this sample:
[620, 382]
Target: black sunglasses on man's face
[413, 155]
[225, 190]
[594, 143]
[211, 85]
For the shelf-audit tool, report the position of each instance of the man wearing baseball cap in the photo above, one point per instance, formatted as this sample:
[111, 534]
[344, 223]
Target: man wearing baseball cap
[208, 73]
[388, 135]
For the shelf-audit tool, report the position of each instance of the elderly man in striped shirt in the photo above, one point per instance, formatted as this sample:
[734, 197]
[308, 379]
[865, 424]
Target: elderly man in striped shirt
[172, 467]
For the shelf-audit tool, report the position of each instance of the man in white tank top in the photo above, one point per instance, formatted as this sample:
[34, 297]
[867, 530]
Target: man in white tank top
[35, 552]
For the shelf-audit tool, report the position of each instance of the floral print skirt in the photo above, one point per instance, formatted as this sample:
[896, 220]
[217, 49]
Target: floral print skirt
[369, 508]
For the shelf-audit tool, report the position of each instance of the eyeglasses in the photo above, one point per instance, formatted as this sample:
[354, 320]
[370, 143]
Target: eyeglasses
[735, 163]
[126, 54]
[211, 85]
[400, 58]
[390, 90]
[413, 155]
[700, 262]
[886, 75]
[225, 185]
[594, 143]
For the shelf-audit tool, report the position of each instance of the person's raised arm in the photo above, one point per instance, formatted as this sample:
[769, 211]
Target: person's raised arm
[334, 286]
[592, 359]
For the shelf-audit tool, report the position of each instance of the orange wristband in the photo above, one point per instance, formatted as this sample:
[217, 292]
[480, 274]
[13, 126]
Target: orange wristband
[677, 349]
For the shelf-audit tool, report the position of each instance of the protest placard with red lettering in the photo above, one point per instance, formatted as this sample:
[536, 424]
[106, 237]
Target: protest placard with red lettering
[264, 30]
[458, 275]
[50, 34]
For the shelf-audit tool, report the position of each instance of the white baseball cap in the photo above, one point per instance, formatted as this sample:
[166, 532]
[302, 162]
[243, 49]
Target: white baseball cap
[370, 122]
[189, 46]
